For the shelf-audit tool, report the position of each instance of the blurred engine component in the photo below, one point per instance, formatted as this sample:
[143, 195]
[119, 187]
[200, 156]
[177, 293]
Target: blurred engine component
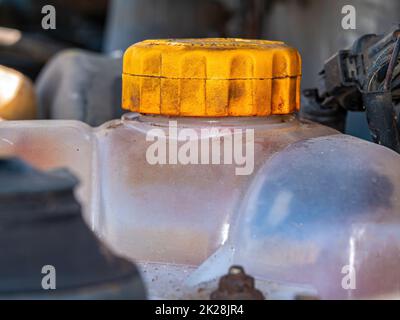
[42, 225]
[314, 27]
[136, 20]
[252, 17]
[80, 85]
[78, 22]
[26, 52]
[17, 96]
[363, 78]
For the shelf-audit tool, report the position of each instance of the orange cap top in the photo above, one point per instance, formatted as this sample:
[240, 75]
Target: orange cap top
[211, 77]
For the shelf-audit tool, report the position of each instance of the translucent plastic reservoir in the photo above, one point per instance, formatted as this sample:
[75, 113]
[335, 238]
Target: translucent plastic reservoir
[316, 205]
[184, 210]
[324, 212]
[53, 144]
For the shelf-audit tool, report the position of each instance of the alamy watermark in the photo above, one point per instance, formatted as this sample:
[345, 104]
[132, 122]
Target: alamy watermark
[205, 146]
[349, 18]
[349, 280]
[49, 279]
[49, 19]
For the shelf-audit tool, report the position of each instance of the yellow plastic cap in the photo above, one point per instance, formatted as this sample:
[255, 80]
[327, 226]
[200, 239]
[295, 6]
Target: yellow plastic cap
[211, 77]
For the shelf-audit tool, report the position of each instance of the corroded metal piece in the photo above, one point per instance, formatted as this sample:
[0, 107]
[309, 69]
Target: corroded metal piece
[237, 285]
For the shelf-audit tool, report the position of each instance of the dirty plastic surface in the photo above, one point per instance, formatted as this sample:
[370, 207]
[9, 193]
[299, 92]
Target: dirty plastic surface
[317, 211]
[317, 201]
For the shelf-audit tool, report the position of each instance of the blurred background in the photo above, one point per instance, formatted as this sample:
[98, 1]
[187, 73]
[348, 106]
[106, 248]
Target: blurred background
[103, 29]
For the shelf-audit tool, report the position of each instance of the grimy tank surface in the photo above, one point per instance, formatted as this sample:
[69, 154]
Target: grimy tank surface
[212, 168]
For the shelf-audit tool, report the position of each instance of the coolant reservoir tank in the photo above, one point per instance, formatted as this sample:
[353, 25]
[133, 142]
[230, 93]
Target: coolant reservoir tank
[212, 168]
[306, 206]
